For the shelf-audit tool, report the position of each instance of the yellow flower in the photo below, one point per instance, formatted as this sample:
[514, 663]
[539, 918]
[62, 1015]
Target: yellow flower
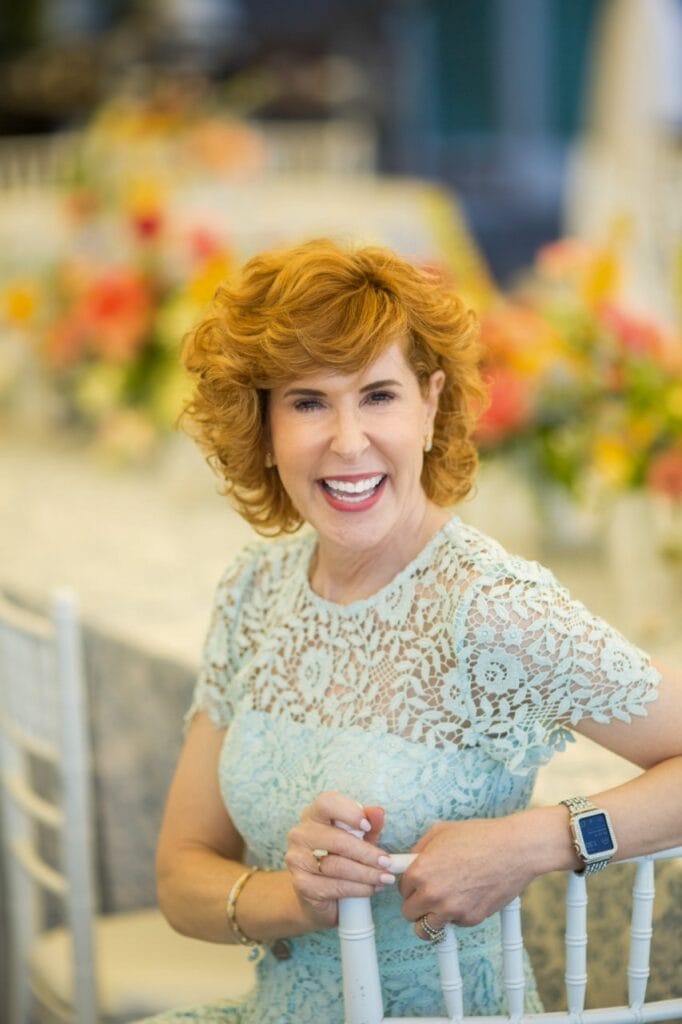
[212, 272]
[19, 302]
[144, 194]
[601, 277]
[611, 460]
[673, 402]
[643, 428]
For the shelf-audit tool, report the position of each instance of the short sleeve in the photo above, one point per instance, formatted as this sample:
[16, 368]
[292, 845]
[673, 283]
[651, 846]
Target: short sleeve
[531, 661]
[214, 690]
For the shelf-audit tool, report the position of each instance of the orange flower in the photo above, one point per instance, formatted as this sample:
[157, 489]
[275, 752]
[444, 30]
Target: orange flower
[520, 338]
[110, 316]
[508, 407]
[665, 473]
[116, 311]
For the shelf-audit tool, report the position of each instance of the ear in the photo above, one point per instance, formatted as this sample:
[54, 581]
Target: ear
[434, 387]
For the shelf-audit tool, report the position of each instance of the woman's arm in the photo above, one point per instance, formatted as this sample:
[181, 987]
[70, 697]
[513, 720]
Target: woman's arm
[199, 855]
[467, 870]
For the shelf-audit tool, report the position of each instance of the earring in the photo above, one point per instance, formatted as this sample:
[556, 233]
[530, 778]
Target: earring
[428, 442]
[269, 461]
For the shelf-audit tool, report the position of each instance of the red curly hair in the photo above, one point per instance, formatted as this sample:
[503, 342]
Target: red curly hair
[295, 311]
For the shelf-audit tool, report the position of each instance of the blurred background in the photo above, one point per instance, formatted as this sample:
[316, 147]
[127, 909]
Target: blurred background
[486, 98]
[529, 151]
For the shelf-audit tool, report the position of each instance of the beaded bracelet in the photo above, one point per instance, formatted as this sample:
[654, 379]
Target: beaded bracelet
[232, 898]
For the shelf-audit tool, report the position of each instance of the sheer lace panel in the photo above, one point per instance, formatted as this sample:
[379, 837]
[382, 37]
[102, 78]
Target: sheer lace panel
[466, 646]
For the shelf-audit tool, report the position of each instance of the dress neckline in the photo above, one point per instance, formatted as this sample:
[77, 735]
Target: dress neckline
[365, 602]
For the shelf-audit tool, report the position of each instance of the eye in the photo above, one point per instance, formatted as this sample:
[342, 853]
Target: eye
[307, 404]
[380, 397]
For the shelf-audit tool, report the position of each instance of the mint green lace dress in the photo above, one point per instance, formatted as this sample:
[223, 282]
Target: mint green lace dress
[437, 698]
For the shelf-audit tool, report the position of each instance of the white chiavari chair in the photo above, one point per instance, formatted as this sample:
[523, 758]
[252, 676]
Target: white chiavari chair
[85, 967]
[362, 988]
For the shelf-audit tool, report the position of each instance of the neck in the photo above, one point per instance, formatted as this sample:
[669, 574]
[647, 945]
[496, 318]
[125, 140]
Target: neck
[342, 575]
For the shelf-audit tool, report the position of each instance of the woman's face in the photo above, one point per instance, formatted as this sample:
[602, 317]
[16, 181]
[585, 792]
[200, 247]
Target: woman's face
[349, 448]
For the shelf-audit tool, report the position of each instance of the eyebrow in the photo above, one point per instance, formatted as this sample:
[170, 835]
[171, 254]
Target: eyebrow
[313, 393]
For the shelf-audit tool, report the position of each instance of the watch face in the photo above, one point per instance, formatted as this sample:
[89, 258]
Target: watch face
[596, 834]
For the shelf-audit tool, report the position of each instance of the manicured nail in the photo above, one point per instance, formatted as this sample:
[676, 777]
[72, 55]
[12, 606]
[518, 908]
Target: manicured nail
[353, 831]
[365, 825]
[379, 888]
[387, 879]
[384, 862]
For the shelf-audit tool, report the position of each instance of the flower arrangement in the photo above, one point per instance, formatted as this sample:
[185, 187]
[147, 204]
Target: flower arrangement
[584, 391]
[106, 330]
[104, 319]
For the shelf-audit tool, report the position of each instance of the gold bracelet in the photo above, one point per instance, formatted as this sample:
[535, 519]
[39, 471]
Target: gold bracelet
[232, 898]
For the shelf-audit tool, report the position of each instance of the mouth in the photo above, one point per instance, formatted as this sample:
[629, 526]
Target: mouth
[352, 492]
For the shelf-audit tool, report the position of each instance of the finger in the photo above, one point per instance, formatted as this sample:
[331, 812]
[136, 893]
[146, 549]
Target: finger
[320, 890]
[330, 806]
[349, 870]
[303, 837]
[434, 923]
[409, 882]
[375, 816]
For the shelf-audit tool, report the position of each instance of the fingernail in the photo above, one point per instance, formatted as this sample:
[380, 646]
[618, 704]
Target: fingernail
[365, 825]
[379, 888]
[384, 862]
[353, 831]
[387, 879]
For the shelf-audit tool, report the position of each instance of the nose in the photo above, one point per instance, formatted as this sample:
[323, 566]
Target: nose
[349, 439]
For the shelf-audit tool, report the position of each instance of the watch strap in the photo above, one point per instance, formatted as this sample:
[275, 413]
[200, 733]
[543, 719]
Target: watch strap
[577, 804]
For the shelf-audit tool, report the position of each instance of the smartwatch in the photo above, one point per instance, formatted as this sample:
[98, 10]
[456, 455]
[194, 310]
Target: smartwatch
[592, 833]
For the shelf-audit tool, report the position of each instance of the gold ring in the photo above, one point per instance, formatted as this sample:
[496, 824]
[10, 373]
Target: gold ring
[319, 854]
[432, 934]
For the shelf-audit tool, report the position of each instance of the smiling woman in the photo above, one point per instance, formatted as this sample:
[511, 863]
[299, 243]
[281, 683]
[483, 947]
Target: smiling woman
[390, 670]
[349, 451]
[318, 309]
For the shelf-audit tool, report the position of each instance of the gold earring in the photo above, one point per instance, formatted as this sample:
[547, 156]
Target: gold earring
[428, 442]
[269, 461]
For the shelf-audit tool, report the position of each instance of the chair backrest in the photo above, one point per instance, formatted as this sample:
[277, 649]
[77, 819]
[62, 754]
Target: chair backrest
[362, 989]
[45, 782]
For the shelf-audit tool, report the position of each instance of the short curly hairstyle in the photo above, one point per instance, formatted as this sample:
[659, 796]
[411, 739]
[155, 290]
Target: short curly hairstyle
[297, 310]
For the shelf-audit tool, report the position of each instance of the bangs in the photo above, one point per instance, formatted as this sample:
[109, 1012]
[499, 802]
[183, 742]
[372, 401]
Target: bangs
[343, 335]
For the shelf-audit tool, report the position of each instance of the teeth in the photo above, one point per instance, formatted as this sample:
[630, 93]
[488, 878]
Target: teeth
[354, 486]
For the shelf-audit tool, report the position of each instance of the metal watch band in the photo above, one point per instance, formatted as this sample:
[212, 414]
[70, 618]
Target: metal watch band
[576, 804]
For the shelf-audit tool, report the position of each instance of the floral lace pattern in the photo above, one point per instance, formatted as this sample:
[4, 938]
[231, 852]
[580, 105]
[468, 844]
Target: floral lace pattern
[438, 698]
[466, 647]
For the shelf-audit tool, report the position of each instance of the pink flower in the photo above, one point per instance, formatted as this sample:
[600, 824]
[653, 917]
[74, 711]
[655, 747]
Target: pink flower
[636, 333]
[147, 224]
[203, 243]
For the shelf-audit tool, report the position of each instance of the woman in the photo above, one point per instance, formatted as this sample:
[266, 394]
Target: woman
[391, 669]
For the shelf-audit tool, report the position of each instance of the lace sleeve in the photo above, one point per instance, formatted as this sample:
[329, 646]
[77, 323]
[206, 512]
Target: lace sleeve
[531, 661]
[214, 691]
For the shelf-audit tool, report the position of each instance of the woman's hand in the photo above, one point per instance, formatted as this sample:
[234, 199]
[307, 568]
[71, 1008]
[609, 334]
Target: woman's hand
[465, 871]
[326, 862]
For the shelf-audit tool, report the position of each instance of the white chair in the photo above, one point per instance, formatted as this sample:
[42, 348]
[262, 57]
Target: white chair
[90, 968]
[362, 988]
